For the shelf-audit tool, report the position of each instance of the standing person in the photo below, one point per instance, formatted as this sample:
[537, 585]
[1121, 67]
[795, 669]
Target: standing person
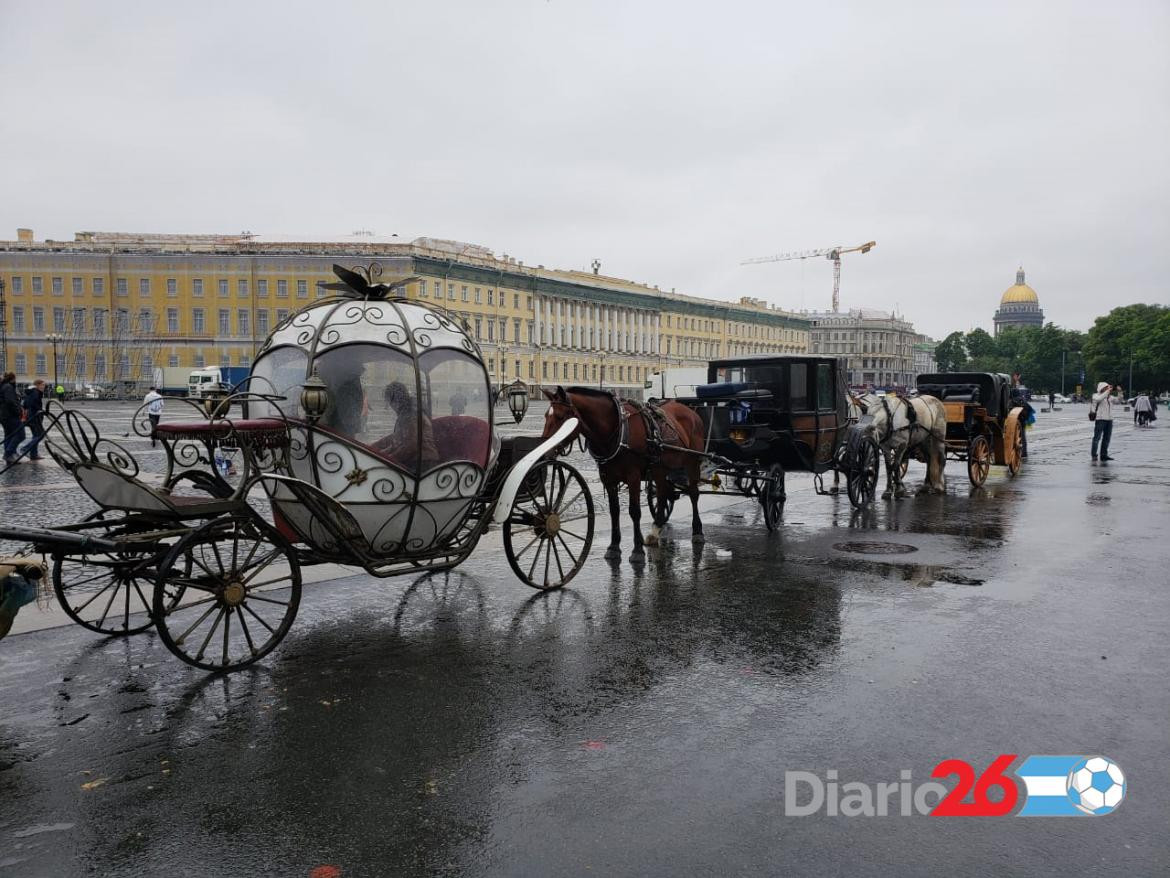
[1051, 400]
[1027, 417]
[33, 405]
[154, 410]
[10, 417]
[1101, 411]
[60, 390]
[1142, 410]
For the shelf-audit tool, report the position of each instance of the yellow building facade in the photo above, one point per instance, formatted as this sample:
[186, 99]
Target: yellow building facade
[124, 306]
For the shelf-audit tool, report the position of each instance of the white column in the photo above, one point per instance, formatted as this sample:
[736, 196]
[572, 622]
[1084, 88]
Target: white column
[536, 306]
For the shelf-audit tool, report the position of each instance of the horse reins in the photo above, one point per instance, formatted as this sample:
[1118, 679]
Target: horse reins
[623, 429]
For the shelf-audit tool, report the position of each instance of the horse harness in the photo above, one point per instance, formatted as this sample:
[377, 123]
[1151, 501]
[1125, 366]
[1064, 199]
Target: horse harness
[661, 430]
[911, 417]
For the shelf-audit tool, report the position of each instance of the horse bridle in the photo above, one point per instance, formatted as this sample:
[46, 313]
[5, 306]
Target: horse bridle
[623, 428]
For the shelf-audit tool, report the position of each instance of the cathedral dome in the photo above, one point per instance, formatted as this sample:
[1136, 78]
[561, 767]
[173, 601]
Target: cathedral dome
[1020, 293]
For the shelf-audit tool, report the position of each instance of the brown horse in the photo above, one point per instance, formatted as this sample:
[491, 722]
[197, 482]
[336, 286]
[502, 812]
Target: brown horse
[617, 436]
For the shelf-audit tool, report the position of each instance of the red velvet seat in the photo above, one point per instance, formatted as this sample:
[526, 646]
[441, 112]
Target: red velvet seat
[461, 437]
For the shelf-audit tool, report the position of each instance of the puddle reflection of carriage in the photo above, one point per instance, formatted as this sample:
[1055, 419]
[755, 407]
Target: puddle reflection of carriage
[368, 422]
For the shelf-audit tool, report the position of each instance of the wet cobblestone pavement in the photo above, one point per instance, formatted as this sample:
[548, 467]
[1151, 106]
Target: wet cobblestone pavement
[640, 721]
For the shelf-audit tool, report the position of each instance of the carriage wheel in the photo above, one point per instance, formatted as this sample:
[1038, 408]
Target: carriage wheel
[772, 496]
[238, 600]
[652, 501]
[1016, 457]
[550, 528]
[978, 460]
[102, 591]
[862, 475]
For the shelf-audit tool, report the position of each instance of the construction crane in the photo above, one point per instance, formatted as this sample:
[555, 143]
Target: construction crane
[832, 253]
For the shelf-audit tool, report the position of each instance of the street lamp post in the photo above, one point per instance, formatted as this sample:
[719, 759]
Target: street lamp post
[55, 338]
[3, 330]
[601, 374]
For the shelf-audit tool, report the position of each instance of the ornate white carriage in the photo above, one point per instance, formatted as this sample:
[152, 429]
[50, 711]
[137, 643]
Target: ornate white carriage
[369, 421]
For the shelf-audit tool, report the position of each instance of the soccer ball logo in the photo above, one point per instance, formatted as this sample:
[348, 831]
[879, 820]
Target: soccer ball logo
[1096, 785]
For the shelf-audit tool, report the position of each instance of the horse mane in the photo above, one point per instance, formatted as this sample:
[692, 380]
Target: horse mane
[589, 391]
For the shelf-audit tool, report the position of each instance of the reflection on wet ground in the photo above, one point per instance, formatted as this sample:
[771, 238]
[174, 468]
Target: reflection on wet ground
[638, 722]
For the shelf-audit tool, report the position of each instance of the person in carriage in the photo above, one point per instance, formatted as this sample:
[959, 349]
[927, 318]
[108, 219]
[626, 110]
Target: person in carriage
[412, 441]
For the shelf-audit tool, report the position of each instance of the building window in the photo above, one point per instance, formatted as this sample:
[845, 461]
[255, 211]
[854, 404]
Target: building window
[281, 315]
[478, 328]
[225, 359]
[38, 319]
[173, 360]
[438, 290]
[242, 288]
[99, 321]
[41, 364]
[99, 286]
[199, 361]
[478, 296]
[18, 320]
[18, 286]
[242, 322]
[262, 321]
[121, 287]
[225, 323]
[544, 370]
[322, 292]
[38, 286]
[262, 288]
[516, 301]
[243, 360]
[223, 288]
[302, 289]
[491, 297]
[173, 320]
[197, 325]
[531, 369]
[20, 364]
[144, 286]
[197, 287]
[491, 330]
[463, 292]
[282, 289]
[58, 286]
[78, 322]
[78, 286]
[451, 292]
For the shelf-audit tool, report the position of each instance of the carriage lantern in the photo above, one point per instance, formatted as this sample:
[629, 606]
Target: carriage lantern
[518, 400]
[314, 398]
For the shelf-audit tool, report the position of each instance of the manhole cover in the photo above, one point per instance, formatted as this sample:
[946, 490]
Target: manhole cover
[876, 548]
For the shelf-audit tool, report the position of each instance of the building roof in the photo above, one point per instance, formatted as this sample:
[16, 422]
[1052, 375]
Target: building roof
[1019, 293]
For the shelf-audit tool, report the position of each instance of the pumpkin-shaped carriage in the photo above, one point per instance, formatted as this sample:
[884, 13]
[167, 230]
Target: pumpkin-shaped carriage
[368, 421]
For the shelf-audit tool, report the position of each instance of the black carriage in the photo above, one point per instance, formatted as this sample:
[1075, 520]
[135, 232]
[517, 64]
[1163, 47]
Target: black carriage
[768, 415]
[983, 425]
[364, 436]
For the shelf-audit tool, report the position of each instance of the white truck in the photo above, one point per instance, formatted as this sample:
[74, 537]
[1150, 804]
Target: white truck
[674, 382]
[214, 380]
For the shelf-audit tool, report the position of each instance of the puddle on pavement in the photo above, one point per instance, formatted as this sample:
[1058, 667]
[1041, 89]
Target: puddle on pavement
[1098, 499]
[874, 548]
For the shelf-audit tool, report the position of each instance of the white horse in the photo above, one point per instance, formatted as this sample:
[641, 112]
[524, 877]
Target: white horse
[901, 425]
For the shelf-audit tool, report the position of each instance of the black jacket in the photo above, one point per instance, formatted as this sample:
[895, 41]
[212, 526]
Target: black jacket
[33, 402]
[9, 402]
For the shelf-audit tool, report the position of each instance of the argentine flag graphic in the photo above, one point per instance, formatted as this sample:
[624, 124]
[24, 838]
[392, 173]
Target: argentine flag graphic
[1070, 786]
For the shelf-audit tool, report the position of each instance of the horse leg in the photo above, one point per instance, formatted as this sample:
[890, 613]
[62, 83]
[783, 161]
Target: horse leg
[615, 512]
[635, 486]
[899, 486]
[697, 537]
[888, 453]
[940, 456]
[661, 486]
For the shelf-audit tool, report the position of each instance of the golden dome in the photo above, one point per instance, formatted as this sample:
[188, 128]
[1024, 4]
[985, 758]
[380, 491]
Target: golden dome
[1020, 293]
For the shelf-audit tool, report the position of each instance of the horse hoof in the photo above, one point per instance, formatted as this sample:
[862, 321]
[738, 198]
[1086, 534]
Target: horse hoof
[886, 495]
[651, 540]
[638, 555]
[613, 553]
[698, 539]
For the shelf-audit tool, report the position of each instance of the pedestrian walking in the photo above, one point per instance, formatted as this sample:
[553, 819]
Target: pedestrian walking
[60, 393]
[10, 417]
[1143, 410]
[1051, 401]
[154, 409]
[1027, 417]
[33, 406]
[1101, 413]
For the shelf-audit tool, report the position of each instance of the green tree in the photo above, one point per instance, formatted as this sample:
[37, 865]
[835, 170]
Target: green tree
[982, 351]
[950, 354]
[1136, 336]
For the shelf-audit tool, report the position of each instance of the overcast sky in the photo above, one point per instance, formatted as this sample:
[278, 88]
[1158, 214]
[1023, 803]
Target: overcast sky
[670, 140]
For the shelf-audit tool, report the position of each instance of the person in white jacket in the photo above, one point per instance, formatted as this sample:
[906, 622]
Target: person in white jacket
[1102, 406]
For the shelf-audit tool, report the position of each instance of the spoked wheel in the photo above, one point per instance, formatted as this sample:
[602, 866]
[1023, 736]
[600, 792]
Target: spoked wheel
[862, 475]
[238, 599]
[747, 486]
[652, 501]
[549, 531]
[1016, 457]
[772, 496]
[978, 460]
[108, 592]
